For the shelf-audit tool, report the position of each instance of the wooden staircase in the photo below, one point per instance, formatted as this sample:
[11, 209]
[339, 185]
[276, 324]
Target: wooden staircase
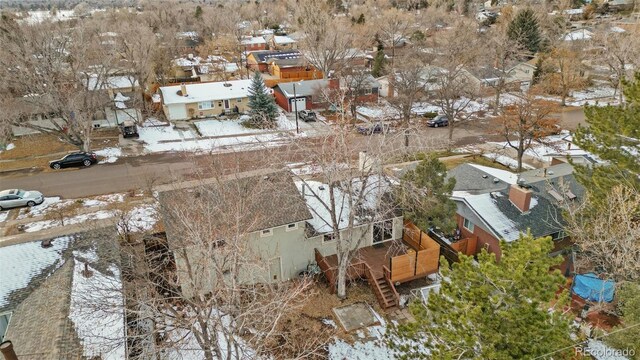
[383, 289]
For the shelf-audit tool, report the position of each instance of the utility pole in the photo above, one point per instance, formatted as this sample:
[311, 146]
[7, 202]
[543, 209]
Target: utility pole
[295, 99]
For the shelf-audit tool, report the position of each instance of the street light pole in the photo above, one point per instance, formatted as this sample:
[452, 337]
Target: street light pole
[295, 99]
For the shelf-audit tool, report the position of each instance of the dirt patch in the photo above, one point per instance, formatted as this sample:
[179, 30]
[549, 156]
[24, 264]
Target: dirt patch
[475, 159]
[35, 145]
[35, 151]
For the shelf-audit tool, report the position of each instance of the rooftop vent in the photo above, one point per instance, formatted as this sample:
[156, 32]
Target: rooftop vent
[320, 187]
[485, 176]
[496, 180]
[227, 84]
[47, 243]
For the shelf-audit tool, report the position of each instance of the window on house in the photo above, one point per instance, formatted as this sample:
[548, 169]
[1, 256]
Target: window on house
[368, 91]
[468, 225]
[205, 105]
[292, 226]
[267, 232]
[383, 231]
[219, 103]
[4, 324]
[239, 100]
[328, 237]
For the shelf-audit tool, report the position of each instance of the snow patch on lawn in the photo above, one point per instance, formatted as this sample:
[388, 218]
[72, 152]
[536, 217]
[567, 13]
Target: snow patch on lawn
[9, 146]
[506, 161]
[47, 224]
[110, 155]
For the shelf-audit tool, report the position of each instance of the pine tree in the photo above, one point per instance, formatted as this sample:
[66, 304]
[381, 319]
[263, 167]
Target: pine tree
[424, 195]
[492, 310]
[524, 29]
[361, 19]
[612, 134]
[264, 110]
[198, 13]
[626, 335]
[379, 62]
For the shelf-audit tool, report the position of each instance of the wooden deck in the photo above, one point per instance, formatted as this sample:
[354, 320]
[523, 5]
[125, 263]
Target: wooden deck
[375, 256]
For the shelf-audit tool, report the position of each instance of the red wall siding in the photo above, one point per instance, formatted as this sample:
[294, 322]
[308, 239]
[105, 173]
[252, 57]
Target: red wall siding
[484, 238]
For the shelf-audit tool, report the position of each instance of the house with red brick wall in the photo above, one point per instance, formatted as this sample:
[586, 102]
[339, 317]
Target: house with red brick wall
[310, 94]
[496, 204]
[253, 43]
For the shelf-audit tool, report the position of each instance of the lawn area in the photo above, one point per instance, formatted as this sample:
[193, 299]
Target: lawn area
[37, 150]
[452, 162]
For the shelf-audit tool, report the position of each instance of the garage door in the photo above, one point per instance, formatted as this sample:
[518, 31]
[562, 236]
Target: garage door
[177, 112]
[302, 104]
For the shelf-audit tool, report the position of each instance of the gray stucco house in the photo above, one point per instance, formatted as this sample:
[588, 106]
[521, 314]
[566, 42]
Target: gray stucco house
[279, 225]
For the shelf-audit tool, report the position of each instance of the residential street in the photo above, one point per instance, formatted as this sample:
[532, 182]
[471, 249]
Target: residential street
[139, 172]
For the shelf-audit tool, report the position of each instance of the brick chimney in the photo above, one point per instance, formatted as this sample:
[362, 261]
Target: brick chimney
[520, 197]
[183, 89]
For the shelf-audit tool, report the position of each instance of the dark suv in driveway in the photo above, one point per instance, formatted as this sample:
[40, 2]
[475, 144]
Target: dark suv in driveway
[74, 159]
[373, 129]
[307, 115]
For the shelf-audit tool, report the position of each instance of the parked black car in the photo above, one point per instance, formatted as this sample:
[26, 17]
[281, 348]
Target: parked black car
[307, 115]
[129, 129]
[74, 159]
[438, 121]
[373, 129]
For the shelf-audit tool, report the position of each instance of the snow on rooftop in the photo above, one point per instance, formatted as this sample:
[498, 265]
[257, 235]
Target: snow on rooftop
[21, 263]
[283, 40]
[97, 309]
[502, 175]
[582, 34]
[206, 92]
[111, 82]
[317, 195]
[486, 206]
[617, 29]
[250, 40]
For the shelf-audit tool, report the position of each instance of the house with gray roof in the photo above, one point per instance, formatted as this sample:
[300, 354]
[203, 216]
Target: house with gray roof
[309, 94]
[271, 218]
[61, 298]
[496, 204]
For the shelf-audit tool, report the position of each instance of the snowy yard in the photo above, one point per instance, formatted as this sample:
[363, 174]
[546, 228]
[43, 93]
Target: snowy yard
[217, 136]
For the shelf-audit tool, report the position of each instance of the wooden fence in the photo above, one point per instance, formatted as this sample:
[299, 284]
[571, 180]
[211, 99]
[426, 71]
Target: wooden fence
[422, 258]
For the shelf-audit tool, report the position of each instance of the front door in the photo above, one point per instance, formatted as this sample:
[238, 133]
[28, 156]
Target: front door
[227, 105]
[275, 270]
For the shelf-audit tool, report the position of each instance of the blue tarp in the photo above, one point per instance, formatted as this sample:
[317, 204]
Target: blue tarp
[590, 287]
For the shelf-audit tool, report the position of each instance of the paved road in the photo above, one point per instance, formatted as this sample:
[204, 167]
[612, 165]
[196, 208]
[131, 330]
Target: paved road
[140, 172]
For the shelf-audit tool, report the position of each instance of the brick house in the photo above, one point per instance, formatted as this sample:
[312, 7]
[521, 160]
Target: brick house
[310, 94]
[496, 204]
[253, 43]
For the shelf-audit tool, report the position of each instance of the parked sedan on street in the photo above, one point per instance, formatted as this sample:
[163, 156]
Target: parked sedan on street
[438, 121]
[74, 159]
[373, 129]
[16, 198]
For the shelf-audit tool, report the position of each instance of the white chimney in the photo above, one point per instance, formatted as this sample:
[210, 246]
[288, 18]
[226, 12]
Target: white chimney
[183, 89]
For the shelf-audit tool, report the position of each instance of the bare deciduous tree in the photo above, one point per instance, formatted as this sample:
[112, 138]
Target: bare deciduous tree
[609, 239]
[528, 119]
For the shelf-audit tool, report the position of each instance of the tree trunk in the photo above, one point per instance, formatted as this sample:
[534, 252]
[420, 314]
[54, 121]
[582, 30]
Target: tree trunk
[520, 155]
[497, 104]
[342, 278]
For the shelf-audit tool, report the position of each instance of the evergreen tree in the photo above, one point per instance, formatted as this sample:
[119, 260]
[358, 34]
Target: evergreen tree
[524, 29]
[627, 335]
[537, 73]
[612, 134]
[492, 310]
[379, 62]
[264, 110]
[424, 195]
[198, 13]
[361, 19]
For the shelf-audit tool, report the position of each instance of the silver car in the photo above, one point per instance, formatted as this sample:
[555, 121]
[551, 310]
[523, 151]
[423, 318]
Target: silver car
[16, 197]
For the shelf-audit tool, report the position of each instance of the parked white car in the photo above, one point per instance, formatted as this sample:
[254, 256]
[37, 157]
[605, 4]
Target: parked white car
[17, 197]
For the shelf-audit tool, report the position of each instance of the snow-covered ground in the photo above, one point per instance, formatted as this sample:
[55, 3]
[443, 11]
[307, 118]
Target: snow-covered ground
[110, 154]
[36, 17]
[383, 111]
[220, 136]
[138, 219]
[10, 146]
